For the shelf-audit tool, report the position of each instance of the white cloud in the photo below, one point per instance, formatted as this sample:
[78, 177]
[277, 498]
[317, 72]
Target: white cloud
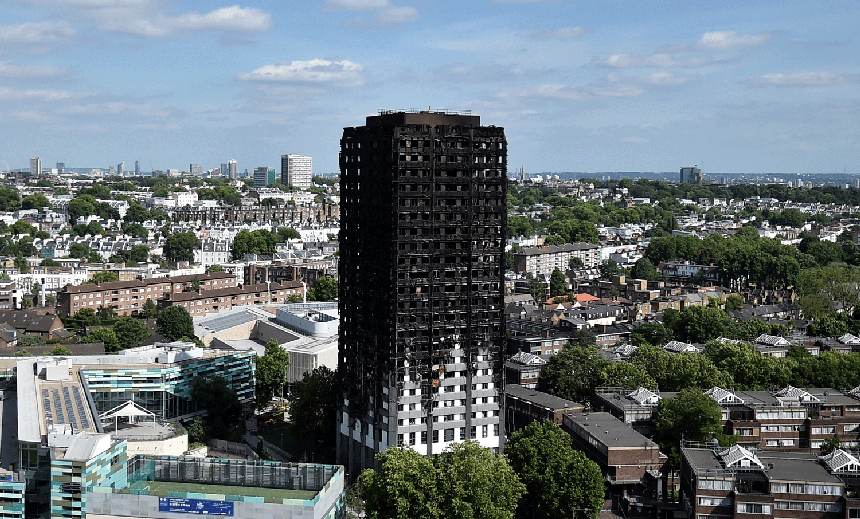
[125, 108]
[729, 40]
[797, 79]
[312, 71]
[233, 18]
[355, 5]
[37, 32]
[635, 140]
[667, 79]
[148, 18]
[13, 71]
[567, 33]
[397, 15]
[657, 60]
[41, 95]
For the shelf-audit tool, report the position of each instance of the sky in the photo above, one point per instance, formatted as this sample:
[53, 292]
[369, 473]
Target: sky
[586, 85]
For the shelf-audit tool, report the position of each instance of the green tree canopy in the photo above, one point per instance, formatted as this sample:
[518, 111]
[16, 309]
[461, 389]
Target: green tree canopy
[105, 336]
[180, 246]
[313, 404]
[644, 269]
[174, 322]
[271, 371]
[325, 289]
[130, 332]
[223, 408]
[691, 415]
[558, 479]
[35, 201]
[466, 481]
[557, 283]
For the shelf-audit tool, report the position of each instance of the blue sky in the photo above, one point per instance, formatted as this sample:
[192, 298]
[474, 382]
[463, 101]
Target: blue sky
[733, 86]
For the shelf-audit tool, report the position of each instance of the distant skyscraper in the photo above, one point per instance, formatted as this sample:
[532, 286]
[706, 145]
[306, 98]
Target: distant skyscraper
[264, 176]
[61, 167]
[692, 176]
[137, 167]
[36, 166]
[422, 240]
[225, 170]
[120, 168]
[195, 169]
[296, 171]
[232, 167]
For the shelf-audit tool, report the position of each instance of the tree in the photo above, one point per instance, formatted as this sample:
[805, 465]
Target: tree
[150, 309]
[325, 289]
[691, 415]
[106, 313]
[557, 283]
[644, 269]
[215, 268]
[21, 353]
[10, 200]
[35, 201]
[608, 268]
[219, 400]
[60, 350]
[174, 322]
[260, 241]
[288, 233]
[558, 479]
[87, 316]
[30, 340]
[830, 444]
[406, 487]
[181, 246]
[465, 481]
[271, 371]
[130, 332]
[104, 276]
[105, 336]
[575, 372]
[476, 484]
[48, 262]
[734, 302]
[313, 404]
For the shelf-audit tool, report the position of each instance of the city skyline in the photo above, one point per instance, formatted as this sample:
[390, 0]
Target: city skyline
[769, 87]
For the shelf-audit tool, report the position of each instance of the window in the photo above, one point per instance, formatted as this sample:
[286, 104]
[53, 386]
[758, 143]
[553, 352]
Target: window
[777, 488]
[715, 501]
[714, 484]
[754, 508]
[449, 435]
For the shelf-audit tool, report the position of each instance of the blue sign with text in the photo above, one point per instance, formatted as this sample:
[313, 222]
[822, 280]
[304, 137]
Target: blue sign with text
[195, 506]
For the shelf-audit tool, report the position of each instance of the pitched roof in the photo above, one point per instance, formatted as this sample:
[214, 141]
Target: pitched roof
[644, 396]
[528, 359]
[28, 320]
[723, 396]
[791, 392]
[840, 461]
[737, 456]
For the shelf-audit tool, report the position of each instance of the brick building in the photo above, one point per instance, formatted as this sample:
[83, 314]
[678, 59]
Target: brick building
[202, 302]
[742, 483]
[524, 405]
[127, 297]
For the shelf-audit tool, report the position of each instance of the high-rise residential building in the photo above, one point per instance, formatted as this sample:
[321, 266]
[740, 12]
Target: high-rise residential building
[232, 169]
[423, 220]
[120, 168]
[296, 171]
[264, 176]
[195, 169]
[61, 167]
[137, 168]
[692, 176]
[36, 166]
[225, 170]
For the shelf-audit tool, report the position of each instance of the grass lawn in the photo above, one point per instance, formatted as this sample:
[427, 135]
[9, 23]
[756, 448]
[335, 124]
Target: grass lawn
[163, 488]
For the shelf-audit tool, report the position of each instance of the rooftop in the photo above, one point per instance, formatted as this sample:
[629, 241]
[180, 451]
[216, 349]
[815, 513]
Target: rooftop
[539, 398]
[609, 431]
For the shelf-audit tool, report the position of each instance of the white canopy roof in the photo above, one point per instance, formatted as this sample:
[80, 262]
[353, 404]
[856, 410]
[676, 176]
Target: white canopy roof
[129, 408]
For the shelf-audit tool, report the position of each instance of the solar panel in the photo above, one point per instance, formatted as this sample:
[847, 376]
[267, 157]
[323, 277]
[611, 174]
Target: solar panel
[82, 412]
[46, 403]
[60, 417]
[69, 409]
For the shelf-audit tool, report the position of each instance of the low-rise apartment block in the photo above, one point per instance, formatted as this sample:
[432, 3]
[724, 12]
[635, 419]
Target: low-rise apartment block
[128, 297]
[541, 261]
[213, 300]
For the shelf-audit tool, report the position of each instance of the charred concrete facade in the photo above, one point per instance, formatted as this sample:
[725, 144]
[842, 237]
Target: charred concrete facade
[421, 284]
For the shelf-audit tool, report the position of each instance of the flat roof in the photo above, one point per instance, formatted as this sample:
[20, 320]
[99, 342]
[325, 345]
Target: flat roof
[796, 466]
[165, 488]
[541, 399]
[610, 431]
